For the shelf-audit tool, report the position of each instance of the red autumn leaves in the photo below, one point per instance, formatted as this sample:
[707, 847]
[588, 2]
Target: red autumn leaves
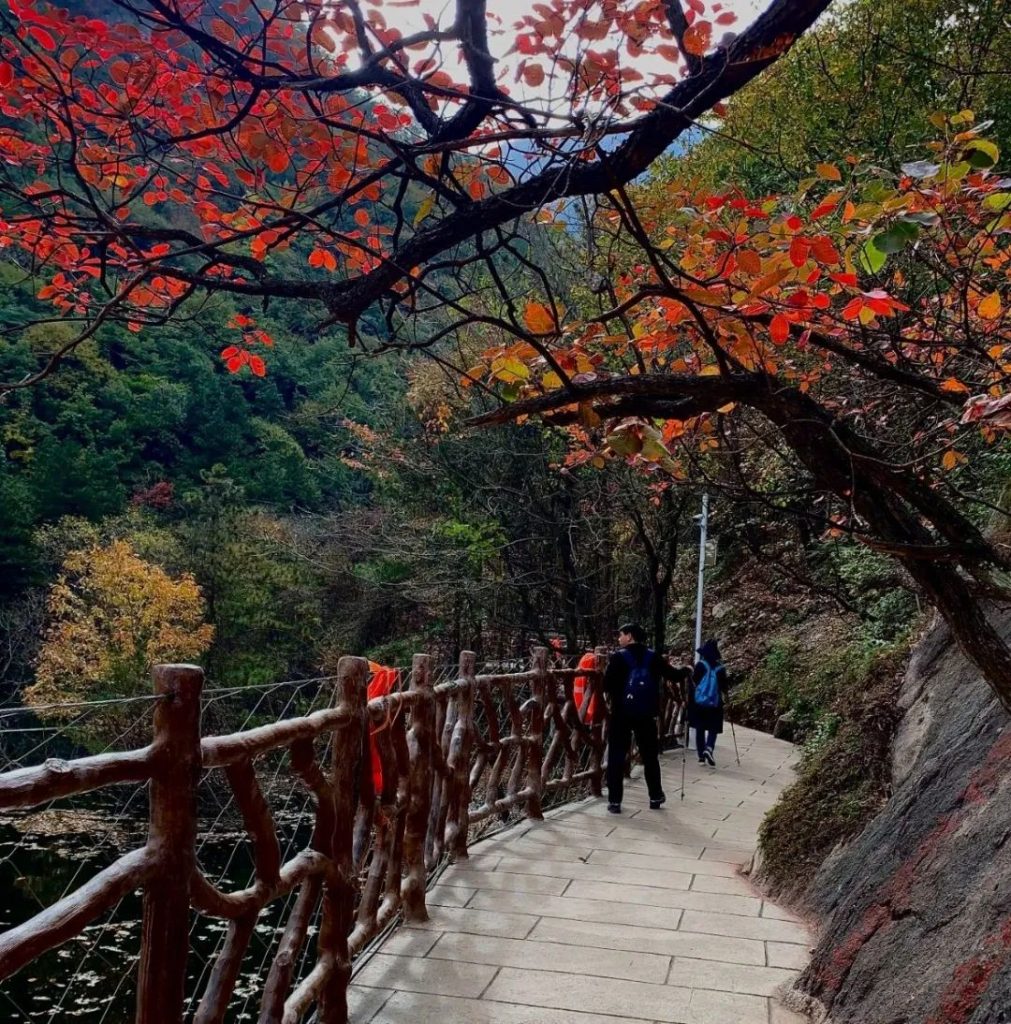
[322, 259]
[236, 357]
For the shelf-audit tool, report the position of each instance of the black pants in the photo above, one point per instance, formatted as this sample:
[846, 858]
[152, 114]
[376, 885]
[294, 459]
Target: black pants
[618, 743]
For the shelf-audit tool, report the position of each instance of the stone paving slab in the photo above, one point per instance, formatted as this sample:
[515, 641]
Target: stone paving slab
[605, 902]
[662, 865]
[631, 965]
[449, 896]
[592, 918]
[692, 898]
[497, 919]
[413, 1008]
[659, 1002]
[592, 871]
[473, 878]
[653, 940]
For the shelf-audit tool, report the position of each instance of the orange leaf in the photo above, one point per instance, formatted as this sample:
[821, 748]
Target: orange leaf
[322, 258]
[749, 261]
[538, 318]
[828, 171]
[770, 280]
[951, 384]
[697, 38]
[990, 307]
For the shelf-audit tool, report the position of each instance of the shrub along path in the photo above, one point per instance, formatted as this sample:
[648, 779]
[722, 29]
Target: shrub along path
[592, 918]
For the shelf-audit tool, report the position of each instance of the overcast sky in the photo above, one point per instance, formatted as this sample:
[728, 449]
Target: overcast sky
[507, 12]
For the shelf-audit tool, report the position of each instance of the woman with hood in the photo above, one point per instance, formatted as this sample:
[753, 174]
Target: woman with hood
[706, 697]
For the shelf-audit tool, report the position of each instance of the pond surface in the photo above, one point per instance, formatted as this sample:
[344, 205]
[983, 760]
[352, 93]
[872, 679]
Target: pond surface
[91, 979]
[50, 851]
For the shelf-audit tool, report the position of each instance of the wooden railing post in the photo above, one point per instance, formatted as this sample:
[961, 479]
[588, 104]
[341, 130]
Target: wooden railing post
[172, 838]
[458, 826]
[420, 743]
[349, 760]
[535, 756]
[597, 763]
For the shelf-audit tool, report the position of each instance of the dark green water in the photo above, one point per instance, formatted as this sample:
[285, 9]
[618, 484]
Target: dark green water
[91, 979]
[47, 852]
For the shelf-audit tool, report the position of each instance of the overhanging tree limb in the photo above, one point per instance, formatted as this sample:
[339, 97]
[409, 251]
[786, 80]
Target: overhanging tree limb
[935, 543]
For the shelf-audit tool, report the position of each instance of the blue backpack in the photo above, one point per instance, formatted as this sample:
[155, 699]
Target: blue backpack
[707, 689]
[642, 695]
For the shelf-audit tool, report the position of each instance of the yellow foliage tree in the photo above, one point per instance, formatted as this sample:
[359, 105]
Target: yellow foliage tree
[114, 616]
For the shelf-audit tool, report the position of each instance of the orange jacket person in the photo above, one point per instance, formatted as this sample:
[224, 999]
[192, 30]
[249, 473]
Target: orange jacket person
[382, 682]
[581, 685]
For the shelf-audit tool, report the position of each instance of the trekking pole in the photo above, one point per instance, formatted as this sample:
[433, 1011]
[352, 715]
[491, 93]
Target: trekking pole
[684, 755]
[734, 734]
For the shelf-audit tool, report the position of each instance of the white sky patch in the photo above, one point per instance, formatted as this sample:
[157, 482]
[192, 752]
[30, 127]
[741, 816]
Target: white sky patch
[553, 93]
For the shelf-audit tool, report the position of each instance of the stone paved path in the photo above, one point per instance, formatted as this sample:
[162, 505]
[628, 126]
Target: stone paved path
[592, 918]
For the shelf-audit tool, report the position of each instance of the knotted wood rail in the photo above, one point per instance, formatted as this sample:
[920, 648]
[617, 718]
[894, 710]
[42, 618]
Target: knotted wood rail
[452, 756]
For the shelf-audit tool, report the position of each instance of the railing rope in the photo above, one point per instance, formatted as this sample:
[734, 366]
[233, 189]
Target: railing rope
[172, 840]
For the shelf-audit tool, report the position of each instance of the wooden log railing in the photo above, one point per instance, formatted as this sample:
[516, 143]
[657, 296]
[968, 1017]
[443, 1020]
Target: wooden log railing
[453, 756]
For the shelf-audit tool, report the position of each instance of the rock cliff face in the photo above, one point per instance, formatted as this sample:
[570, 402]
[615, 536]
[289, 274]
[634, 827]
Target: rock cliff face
[918, 906]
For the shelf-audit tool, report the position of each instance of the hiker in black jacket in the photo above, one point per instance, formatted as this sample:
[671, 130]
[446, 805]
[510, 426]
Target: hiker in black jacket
[632, 686]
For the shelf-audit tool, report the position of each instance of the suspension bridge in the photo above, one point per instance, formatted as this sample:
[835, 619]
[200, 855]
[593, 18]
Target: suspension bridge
[438, 849]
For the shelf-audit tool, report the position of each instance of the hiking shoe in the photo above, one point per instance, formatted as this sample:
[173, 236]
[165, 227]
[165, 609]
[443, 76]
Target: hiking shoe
[655, 805]
[708, 755]
[614, 808]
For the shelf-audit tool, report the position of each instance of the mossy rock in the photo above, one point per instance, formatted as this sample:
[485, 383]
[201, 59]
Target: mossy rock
[843, 780]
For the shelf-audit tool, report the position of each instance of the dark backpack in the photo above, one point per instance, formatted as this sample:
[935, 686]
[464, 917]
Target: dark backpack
[707, 689]
[642, 695]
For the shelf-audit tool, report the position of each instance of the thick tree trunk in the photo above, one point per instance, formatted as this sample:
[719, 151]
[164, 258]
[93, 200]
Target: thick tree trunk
[839, 461]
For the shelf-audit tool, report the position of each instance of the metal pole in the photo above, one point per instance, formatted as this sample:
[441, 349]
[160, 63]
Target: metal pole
[703, 531]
